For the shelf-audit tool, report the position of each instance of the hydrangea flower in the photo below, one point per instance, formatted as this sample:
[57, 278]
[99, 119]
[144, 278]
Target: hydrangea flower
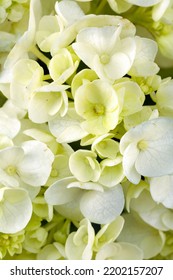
[147, 149]
[97, 103]
[111, 61]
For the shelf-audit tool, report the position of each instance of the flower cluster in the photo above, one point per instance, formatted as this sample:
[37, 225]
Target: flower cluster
[86, 129]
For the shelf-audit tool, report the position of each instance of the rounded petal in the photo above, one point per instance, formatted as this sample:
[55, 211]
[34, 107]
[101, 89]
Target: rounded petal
[59, 193]
[102, 207]
[119, 251]
[136, 232]
[36, 165]
[15, 210]
[161, 189]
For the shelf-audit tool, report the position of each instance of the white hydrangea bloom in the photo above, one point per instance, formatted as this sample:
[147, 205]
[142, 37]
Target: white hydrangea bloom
[110, 61]
[108, 233]
[84, 165]
[97, 103]
[148, 149]
[131, 97]
[111, 172]
[105, 147]
[79, 244]
[30, 163]
[47, 102]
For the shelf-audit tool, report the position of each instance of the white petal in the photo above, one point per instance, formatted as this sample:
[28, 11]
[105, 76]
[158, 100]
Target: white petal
[161, 189]
[11, 156]
[36, 165]
[136, 232]
[67, 129]
[9, 126]
[58, 193]
[62, 9]
[129, 158]
[156, 160]
[102, 207]
[15, 210]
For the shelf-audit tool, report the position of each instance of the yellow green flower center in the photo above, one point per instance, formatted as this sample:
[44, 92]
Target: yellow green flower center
[99, 109]
[142, 145]
[104, 58]
[11, 170]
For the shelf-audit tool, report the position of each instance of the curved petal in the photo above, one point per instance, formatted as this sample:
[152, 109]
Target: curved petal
[36, 165]
[102, 207]
[15, 210]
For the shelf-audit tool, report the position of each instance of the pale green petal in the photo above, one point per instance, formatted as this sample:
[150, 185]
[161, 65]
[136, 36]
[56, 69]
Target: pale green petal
[108, 233]
[111, 172]
[49, 252]
[119, 6]
[48, 30]
[105, 147]
[24, 83]
[84, 166]
[143, 3]
[15, 210]
[79, 244]
[102, 207]
[119, 251]
[164, 98]
[47, 102]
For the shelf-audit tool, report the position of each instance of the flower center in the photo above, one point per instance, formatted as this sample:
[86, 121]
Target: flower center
[104, 58]
[99, 109]
[11, 170]
[142, 145]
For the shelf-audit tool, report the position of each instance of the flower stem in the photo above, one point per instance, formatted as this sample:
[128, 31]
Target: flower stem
[100, 7]
[39, 55]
